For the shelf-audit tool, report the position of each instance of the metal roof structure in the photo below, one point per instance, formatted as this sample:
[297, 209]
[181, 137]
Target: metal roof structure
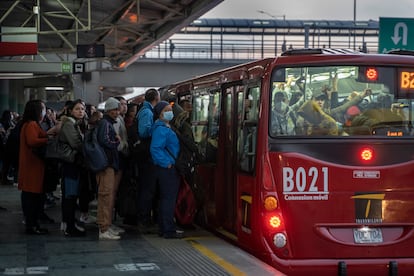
[126, 28]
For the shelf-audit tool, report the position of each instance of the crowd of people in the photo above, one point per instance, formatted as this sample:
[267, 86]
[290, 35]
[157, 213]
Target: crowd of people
[319, 112]
[39, 178]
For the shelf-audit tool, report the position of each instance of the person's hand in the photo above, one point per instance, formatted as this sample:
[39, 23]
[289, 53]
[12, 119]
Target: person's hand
[367, 92]
[335, 82]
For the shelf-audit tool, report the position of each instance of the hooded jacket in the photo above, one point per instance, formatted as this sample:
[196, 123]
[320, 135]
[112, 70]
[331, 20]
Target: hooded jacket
[165, 146]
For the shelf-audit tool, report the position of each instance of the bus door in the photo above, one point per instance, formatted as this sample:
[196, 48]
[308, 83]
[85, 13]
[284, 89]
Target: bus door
[248, 108]
[228, 144]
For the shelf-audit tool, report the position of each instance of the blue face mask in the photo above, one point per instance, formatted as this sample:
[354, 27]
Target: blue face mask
[168, 115]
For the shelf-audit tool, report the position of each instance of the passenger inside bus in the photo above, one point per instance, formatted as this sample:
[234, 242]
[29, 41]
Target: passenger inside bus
[375, 121]
[317, 122]
[207, 147]
[283, 117]
[248, 135]
[382, 111]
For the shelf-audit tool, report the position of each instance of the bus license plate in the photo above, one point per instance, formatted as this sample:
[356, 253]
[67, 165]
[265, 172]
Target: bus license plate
[370, 235]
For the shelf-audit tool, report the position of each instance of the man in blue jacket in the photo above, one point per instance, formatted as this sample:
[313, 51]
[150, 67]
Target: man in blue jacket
[147, 179]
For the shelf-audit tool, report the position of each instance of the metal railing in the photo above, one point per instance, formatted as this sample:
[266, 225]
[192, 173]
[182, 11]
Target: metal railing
[246, 40]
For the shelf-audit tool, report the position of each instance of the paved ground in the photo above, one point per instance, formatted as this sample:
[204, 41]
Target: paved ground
[200, 253]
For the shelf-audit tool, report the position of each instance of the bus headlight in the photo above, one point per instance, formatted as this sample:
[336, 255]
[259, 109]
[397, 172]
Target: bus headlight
[279, 240]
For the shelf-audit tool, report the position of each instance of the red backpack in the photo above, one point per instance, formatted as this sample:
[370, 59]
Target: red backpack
[186, 207]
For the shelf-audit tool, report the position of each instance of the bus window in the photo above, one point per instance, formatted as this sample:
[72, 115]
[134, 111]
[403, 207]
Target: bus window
[339, 101]
[205, 123]
[200, 107]
[248, 130]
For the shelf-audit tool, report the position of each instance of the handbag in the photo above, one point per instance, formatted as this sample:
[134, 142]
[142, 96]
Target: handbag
[56, 149]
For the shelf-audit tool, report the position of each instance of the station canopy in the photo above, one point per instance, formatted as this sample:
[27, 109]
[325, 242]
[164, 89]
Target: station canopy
[116, 31]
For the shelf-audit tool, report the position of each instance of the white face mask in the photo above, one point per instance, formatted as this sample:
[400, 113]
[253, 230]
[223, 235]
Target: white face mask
[168, 115]
[43, 113]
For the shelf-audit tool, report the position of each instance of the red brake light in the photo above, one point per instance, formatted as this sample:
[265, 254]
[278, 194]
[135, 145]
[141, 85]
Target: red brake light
[371, 74]
[366, 154]
[274, 221]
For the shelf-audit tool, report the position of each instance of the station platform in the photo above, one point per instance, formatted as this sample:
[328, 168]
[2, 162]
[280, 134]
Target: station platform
[198, 253]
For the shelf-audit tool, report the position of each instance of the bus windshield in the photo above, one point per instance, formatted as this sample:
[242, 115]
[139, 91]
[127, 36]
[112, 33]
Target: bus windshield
[340, 101]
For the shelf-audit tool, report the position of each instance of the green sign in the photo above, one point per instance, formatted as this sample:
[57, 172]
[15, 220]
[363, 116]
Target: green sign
[66, 67]
[396, 33]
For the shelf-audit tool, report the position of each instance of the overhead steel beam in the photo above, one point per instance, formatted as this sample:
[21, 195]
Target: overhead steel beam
[59, 34]
[72, 15]
[9, 11]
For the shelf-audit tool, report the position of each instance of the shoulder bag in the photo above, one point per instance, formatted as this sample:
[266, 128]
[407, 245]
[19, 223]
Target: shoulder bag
[56, 149]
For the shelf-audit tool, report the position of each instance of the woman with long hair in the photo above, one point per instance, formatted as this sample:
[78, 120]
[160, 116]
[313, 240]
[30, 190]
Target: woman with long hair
[31, 166]
[71, 134]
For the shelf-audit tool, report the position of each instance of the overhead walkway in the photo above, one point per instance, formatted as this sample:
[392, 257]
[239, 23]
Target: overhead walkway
[247, 39]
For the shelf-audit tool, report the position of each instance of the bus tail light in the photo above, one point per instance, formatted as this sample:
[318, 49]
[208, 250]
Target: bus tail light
[270, 203]
[274, 222]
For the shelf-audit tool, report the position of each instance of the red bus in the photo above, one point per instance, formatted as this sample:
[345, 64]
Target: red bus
[308, 159]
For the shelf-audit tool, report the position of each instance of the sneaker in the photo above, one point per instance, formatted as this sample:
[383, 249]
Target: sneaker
[113, 231]
[63, 227]
[93, 203]
[80, 228]
[87, 219]
[74, 232]
[108, 235]
[116, 229]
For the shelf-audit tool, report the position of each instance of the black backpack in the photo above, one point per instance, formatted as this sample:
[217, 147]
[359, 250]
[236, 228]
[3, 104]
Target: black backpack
[139, 148]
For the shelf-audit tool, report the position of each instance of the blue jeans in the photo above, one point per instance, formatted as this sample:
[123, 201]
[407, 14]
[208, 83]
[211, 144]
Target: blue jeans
[169, 184]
